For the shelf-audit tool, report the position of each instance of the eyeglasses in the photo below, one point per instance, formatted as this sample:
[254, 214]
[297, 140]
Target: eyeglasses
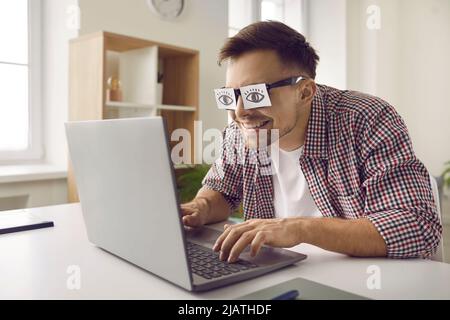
[253, 96]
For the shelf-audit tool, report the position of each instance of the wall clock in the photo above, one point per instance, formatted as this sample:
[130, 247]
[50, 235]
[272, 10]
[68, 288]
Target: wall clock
[167, 9]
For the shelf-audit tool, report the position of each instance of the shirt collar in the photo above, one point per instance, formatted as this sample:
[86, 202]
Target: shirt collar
[316, 133]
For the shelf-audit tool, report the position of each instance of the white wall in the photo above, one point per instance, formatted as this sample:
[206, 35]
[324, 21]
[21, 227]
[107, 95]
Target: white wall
[327, 34]
[425, 77]
[55, 65]
[202, 26]
[373, 54]
[406, 63]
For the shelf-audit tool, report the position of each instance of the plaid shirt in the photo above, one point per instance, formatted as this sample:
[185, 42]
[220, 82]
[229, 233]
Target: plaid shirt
[358, 161]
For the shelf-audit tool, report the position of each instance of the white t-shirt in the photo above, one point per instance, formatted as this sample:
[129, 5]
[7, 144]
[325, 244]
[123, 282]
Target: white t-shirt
[291, 193]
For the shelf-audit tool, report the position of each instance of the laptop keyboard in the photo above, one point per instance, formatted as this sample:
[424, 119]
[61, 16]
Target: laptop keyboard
[205, 263]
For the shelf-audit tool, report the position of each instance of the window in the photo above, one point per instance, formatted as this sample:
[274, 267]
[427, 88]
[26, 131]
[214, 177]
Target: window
[19, 80]
[272, 10]
[290, 12]
[240, 14]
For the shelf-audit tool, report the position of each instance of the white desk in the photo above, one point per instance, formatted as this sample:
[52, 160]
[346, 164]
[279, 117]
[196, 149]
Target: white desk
[33, 265]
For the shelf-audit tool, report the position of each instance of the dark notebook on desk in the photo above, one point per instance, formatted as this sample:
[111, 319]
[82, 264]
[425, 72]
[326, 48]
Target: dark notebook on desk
[307, 290]
[21, 221]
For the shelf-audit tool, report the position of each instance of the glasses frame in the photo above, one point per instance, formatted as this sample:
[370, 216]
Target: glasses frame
[281, 83]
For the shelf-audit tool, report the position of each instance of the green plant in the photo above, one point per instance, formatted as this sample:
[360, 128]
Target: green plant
[191, 181]
[446, 174]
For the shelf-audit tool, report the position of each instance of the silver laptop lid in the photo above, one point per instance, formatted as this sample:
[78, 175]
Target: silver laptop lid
[126, 188]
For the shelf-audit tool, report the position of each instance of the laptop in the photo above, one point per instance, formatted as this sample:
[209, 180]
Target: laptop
[126, 185]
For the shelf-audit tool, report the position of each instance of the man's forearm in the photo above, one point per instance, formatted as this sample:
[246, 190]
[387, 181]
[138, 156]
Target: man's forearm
[216, 207]
[357, 237]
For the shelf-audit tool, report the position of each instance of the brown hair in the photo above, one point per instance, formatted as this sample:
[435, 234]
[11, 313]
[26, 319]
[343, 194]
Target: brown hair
[291, 46]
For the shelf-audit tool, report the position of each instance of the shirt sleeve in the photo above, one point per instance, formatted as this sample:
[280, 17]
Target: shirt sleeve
[399, 198]
[225, 174]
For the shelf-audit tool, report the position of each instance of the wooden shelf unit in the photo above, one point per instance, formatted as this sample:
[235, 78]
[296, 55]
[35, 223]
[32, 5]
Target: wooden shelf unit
[123, 104]
[88, 76]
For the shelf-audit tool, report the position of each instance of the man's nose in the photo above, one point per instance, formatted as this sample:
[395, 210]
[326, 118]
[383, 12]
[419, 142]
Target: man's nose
[240, 111]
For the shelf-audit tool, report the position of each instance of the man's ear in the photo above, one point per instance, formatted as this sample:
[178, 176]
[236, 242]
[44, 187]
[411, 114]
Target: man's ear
[307, 90]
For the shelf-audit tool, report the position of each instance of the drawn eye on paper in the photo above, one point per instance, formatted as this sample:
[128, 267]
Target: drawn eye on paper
[255, 96]
[225, 98]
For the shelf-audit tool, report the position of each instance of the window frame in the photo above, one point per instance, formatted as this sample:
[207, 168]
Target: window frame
[255, 15]
[34, 152]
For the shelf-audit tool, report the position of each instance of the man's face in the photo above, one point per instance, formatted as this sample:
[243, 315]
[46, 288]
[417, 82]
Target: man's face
[264, 66]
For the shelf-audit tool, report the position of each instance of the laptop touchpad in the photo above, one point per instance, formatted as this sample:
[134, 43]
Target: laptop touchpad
[203, 235]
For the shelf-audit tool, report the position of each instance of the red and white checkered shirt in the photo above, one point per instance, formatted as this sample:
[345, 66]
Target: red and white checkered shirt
[358, 161]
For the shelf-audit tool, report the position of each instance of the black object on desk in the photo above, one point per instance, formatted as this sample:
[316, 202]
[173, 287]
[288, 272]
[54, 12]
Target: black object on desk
[301, 289]
[289, 295]
[21, 221]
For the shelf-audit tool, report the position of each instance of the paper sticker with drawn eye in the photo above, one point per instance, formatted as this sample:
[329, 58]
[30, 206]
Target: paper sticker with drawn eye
[255, 96]
[225, 98]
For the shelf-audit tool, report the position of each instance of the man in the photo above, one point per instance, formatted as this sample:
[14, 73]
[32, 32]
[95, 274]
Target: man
[347, 179]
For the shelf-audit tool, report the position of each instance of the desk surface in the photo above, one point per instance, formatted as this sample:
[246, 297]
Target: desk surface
[36, 265]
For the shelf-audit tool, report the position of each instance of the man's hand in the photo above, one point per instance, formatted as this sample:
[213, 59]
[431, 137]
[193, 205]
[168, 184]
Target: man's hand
[195, 212]
[256, 233]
